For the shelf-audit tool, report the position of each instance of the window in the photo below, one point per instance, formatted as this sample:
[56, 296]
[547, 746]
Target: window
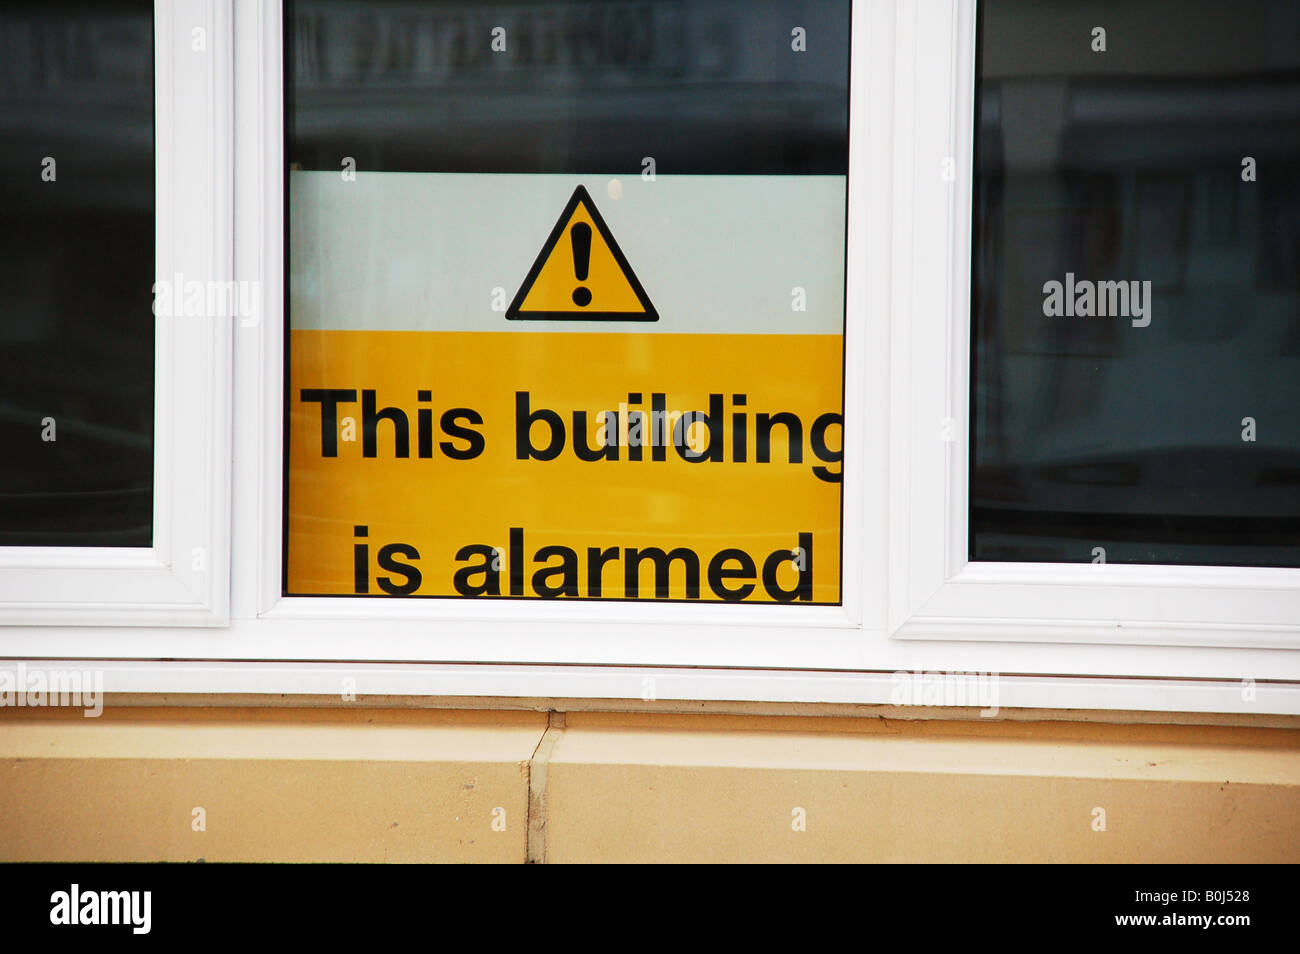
[114, 507]
[77, 360]
[647, 404]
[370, 201]
[1136, 311]
[1019, 591]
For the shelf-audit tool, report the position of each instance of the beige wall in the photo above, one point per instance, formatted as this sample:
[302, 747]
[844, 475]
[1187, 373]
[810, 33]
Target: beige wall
[418, 784]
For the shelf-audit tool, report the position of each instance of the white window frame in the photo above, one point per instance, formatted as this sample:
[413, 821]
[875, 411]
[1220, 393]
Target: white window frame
[936, 592]
[904, 493]
[183, 578]
[501, 630]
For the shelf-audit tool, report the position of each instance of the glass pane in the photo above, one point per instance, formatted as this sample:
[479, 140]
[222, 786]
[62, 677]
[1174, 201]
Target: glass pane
[1136, 293]
[76, 274]
[566, 299]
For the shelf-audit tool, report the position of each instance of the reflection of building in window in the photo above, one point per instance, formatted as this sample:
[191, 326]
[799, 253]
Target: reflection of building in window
[77, 333]
[706, 81]
[1128, 166]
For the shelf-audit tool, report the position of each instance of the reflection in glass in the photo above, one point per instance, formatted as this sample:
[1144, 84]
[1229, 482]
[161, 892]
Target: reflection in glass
[1136, 305]
[701, 87]
[76, 273]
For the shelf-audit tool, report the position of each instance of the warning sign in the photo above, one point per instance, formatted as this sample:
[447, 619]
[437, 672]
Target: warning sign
[574, 441]
[581, 273]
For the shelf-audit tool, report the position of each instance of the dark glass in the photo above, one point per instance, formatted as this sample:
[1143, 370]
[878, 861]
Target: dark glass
[76, 273]
[1168, 433]
[704, 87]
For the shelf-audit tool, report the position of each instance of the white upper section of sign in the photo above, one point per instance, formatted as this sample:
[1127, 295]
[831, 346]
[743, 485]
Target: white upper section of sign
[447, 252]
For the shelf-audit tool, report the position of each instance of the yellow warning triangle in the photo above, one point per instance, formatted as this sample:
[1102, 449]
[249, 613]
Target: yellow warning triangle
[581, 274]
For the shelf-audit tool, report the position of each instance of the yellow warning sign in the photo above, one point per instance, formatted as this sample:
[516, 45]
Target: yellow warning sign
[581, 273]
[492, 464]
[692, 451]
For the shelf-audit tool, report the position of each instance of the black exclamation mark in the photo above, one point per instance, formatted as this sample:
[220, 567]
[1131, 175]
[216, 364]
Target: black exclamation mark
[580, 236]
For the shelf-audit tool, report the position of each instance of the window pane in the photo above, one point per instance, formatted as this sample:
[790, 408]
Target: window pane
[566, 299]
[76, 274]
[1136, 283]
